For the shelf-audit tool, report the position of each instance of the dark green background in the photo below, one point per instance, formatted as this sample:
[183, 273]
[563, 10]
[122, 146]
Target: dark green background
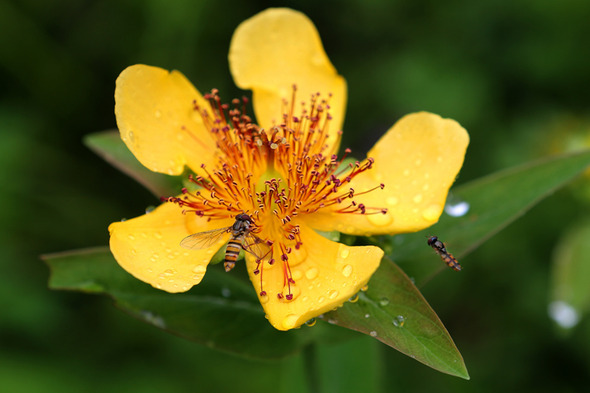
[515, 74]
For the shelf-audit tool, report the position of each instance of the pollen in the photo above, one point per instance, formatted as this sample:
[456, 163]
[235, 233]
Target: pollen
[275, 176]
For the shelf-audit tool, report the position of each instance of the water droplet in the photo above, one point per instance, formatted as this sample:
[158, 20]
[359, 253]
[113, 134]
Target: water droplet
[311, 273]
[384, 302]
[418, 198]
[392, 201]
[418, 162]
[199, 269]
[296, 273]
[354, 298]
[333, 294]
[131, 237]
[123, 219]
[457, 209]
[347, 270]
[365, 288]
[344, 253]
[158, 235]
[170, 272]
[563, 314]
[264, 299]
[131, 137]
[321, 299]
[225, 292]
[373, 333]
[149, 209]
[431, 213]
[399, 321]
[158, 114]
[406, 172]
[380, 219]
[290, 321]
[367, 316]
[311, 322]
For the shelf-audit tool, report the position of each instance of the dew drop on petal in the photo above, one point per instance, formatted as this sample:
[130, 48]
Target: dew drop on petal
[131, 237]
[170, 272]
[399, 321]
[418, 198]
[311, 273]
[344, 253]
[392, 201]
[563, 314]
[379, 219]
[333, 294]
[130, 137]
[264, 299]
[311, 322]
[431, 213]
[296, 274]
[158, 113]
[354, 298]
[347, 270]
[149, 209]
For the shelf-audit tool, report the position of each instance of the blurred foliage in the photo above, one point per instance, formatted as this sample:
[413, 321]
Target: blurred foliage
[515, 74]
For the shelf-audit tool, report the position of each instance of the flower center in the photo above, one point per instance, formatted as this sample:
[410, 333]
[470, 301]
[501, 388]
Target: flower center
[274, 175]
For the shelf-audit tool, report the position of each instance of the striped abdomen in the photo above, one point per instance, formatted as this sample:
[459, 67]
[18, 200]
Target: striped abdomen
[451, 261]
[234, 246]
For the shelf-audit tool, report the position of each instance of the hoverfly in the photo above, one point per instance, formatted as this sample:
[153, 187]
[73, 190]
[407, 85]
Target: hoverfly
[241, 238]
[441, 250]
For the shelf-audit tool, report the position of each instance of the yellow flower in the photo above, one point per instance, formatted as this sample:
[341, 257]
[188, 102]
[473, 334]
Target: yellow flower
[282, 172]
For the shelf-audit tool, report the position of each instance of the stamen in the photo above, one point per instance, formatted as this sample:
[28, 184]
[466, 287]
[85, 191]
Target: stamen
[307, 175]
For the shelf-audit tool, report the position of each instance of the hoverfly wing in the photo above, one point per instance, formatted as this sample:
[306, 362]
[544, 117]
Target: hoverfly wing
[256, 246]
[202, 240]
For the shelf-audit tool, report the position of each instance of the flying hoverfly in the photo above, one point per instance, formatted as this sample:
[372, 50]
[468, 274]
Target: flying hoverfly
[441, 250]
[241, 238]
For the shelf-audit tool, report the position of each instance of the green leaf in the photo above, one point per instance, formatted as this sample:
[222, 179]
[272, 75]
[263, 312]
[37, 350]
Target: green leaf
[110, 147]
[221, 312]
[570, 292]
[494, 202]
[394, 311]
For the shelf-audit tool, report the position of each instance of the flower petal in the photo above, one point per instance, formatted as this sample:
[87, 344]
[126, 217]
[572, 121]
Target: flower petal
[156, 117]
[275, 49]
[326, 274]
[148, 247]
[418, 160]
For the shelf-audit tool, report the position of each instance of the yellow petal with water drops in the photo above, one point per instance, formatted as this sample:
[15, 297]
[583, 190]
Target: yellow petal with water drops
[276, 49]
[417, 160]
[157, 120]
[149, 248]
[324, 275]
